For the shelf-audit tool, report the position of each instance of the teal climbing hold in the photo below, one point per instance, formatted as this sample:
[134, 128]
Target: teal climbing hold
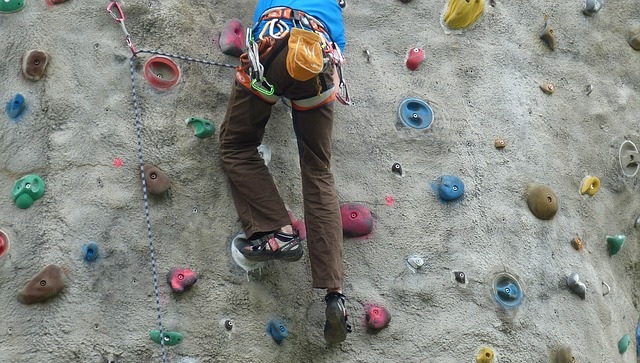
[170, 337]
[615, 243]
[203, 128]
[11, 6]
[623, 343]
[27, 190]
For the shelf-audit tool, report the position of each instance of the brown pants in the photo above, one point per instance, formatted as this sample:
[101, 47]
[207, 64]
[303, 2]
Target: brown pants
[254, 192]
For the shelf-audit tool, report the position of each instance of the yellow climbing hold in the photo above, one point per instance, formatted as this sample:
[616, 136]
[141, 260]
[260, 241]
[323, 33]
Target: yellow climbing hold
[590, 185]
[485, 355]
[462, 13]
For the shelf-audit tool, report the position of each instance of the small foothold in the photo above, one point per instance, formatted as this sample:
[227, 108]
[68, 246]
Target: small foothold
[415, 262]
[589, 89]
[507, 291]
[170, 338]
[203, 127]
[11, 6]
[90, 251]
[342, 3]
[615, 243]
[43, 286]
[396, 168]
[577, 287]
[367, 55]
[414, 58]
[590, 185]
[634, 41]
[629, 158]
[16, 106]
[33, 64]
[460, 277]
[542, 201]
[564, 355]
[232, 38]
[462, 13]
[357, 220]
[377, 317]
[4, 243]
[228, 324]
[485, 355]
[415, 113]
[623, 343]
[161, 72]
[181, 279]
[605, 293]
[547, 35]
[55, 2]
[156, 180]
[27, 190]
[499, 143]
[591, 7]
[265, 153]
[548, 88]
[277, 330]
[577, 243]
[448, 187]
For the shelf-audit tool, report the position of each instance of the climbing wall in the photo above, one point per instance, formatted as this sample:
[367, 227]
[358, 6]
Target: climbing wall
[456, 256]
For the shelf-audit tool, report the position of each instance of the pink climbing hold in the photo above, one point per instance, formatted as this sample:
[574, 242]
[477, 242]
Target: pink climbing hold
[181, 279]
[232, 38]
[415, 58]
[357, 220]
[377, 318]
[298, 226]
[117, 162]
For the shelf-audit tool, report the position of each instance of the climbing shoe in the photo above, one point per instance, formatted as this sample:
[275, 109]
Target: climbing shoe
[336, 327]
[275, 246]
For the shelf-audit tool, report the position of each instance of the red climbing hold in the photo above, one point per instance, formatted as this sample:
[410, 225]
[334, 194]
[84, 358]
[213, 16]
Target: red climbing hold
[298, 226]
[232, 38]
[4, 243]
[181, 279]
[415, 58]
[357, 220]
[378, 317]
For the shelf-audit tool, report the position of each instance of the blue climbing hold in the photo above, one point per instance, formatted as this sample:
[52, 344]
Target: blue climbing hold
[277, 330]
[15, 108]
[448, 187]
[90, 251]
[638, 339]
[415, 113]
[507, 291]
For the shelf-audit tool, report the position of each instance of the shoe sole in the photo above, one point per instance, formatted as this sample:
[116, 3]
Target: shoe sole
[269, 257]
[335, 332]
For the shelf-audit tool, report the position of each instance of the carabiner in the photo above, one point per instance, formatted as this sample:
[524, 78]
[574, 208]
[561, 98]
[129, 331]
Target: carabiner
[117, 4]
[259, 88]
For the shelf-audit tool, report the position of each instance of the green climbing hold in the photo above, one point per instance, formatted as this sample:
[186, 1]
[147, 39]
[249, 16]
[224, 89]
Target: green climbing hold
[27, 190]
[623, 343]
[170, 337]
[11, 6]
[615, 243]
[204, 128]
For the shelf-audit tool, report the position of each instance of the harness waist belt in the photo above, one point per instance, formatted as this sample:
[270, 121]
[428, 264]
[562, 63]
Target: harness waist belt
[297, 15]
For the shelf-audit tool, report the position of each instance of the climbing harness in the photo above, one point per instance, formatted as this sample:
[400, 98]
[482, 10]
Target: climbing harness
[256, 69]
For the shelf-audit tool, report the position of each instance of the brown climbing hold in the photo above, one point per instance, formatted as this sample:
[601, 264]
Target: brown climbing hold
[542, 201]
[33, 64]
[157, 181]
[499, 143]
[43, 286]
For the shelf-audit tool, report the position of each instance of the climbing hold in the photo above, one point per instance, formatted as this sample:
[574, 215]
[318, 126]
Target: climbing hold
[546, 34]
[577, 287]
[27, 190]
[238, 242]
[605, 293]
[33, 64]
[577, 243]
[623, 343]
[507, 291]
[591, 7]
[277, 330]
[90, 251]
[298, 226]
[499, 143]
[228, 324]
[397, 168]
[156, 180]
[563, 355]
[462, 13]
[16, 106]
[181, 279]
[414, 58]
[54, 2]
[542, 201]
[170, 338]
[232, 38]
[638, 339]
[460, 277]
[357, 220]
[615, 243]
[548, 88]
[265, 153]
[590, 185]
[629, 157]
[485, 355]
[415, 113]
[377, 317]
[448, 187]
[203, 127]
[11, 6]
[161, 72]
[4, 243]
[634, 41]
[43, 286]
[415, 263]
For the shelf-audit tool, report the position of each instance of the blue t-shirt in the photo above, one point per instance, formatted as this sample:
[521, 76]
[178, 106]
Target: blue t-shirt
[326, 11]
